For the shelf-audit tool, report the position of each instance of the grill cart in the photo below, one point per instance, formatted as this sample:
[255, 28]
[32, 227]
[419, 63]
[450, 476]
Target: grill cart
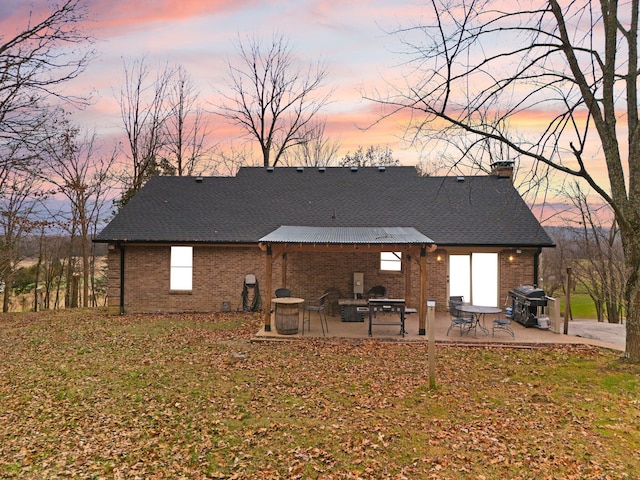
[527, 303]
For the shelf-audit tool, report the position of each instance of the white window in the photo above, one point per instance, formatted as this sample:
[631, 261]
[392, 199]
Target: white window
[391, 261]
[181, 268]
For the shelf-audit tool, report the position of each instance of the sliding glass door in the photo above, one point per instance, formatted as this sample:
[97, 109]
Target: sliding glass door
[474, 277]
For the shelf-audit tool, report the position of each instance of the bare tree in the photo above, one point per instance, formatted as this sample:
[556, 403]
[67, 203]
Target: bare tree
[599, 263]
[478, 68]
[554, 261]
[52, 269]
[186, 127]
[34, 62]
[19, 198]
[375, 156]
[144, 111]
[316, 150]
[271, 98]
[80, 172]
[227, 162]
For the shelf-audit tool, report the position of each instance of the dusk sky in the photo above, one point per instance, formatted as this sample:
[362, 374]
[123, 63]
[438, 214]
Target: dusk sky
[349, 37]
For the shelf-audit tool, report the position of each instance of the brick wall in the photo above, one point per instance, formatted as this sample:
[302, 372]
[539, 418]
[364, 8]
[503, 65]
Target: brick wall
[218, 275]
[515, 269]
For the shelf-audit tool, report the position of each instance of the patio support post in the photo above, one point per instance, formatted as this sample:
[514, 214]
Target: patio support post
[284, 269]
[422, 310]
[407, 278]
[268, 289]
[431, 352]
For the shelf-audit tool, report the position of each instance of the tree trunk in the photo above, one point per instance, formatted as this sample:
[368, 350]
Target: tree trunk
[598, 305]
[7, 294]
[632, 296]
[612, 311]
[633, 324]
[85, 272]
[38, 268]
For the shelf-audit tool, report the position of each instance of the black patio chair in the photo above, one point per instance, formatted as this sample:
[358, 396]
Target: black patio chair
[461, 320]
[283, 293]
[316, 305]
[502, 324]
[333, 295]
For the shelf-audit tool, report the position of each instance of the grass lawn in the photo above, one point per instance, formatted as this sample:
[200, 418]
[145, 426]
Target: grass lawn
[582, 306]
[86, 395]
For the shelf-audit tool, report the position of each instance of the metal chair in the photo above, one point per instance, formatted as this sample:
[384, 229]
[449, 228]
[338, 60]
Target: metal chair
[316, 305]
[463, 321]
[504, 325]
[377, 291]
[283, 293]
[333, 295]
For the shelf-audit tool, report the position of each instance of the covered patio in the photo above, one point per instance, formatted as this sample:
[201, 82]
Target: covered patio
[409, 242]
[424, 322]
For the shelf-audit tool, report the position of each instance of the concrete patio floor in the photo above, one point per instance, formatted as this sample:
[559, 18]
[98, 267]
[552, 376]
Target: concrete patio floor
[580, 333]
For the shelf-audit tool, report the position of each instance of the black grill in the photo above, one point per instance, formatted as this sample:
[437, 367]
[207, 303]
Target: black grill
[527, 303]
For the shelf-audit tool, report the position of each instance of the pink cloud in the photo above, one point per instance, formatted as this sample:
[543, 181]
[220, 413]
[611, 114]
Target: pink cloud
[116, 15]
[113, 17]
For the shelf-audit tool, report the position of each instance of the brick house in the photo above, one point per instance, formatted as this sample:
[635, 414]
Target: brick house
[185, 244]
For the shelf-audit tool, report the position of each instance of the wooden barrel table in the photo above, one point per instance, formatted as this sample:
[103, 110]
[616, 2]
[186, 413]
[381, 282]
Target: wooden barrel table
[287, 314]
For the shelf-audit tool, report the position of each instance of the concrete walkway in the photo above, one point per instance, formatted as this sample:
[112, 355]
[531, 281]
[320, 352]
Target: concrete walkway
[586, 332]
[592, 330]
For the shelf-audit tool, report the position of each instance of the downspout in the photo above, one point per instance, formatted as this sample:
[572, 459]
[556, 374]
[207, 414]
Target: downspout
[121, 278]
[536, 266]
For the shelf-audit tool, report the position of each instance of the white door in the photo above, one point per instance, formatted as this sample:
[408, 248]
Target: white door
[460, 276]
[474, 277]
[484, 279]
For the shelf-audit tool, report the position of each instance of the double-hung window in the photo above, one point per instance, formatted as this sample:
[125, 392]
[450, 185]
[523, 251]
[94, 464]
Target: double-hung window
[181, 276]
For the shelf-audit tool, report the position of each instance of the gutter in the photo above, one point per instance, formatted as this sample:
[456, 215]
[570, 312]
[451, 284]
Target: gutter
[122, 250]
[536, 266]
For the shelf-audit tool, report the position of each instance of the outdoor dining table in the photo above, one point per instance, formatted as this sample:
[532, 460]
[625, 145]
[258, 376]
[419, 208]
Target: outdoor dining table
[478, 312]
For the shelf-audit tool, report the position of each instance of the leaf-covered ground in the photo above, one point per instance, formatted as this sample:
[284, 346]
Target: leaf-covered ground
[87, 395]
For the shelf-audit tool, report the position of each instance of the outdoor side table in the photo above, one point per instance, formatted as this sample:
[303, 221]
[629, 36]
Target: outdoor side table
[352, 309]
[287, 314]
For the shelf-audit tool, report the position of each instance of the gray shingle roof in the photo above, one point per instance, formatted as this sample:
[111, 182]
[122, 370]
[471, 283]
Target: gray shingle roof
[481, 210]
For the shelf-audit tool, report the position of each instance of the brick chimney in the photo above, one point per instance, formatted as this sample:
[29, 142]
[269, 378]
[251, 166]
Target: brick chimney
[503, 169]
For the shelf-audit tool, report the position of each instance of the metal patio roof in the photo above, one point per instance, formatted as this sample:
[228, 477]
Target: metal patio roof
[346, 235]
